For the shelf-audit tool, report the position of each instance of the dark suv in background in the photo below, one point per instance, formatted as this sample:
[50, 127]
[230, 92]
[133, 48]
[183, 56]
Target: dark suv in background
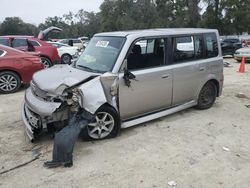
[230, 45]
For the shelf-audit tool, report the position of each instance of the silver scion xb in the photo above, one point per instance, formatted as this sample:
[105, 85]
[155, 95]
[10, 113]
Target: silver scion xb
[127, 78]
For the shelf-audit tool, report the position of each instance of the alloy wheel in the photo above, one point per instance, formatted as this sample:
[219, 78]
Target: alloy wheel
[102, 126]
[8, 83]
[45, 62]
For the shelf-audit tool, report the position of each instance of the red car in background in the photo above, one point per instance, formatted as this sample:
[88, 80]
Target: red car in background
[48, 53]
[16, 67]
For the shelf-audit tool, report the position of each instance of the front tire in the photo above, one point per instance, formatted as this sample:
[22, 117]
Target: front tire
[106, 125]
[207, 96]
[66, 59]
[10, 82]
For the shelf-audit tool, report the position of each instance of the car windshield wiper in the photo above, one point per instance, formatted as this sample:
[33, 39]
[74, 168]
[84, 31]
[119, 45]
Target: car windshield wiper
[89, 69]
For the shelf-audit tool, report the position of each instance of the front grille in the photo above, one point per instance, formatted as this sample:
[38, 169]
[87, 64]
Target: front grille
[33, 119]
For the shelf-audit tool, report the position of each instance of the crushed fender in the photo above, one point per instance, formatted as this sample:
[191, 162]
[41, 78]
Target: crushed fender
[96, 91]
[65, 139]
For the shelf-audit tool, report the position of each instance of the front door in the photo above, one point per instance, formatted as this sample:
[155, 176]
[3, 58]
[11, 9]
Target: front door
[152, 89]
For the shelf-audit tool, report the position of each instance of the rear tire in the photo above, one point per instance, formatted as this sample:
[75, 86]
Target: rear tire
[10, 82]
[207, 96]
[106, 125]
[46, 62]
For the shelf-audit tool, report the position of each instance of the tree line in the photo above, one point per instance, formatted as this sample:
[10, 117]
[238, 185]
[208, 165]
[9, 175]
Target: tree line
[228, 16]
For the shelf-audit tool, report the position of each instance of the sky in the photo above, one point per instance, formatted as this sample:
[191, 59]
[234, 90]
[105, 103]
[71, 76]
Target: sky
[35, 11]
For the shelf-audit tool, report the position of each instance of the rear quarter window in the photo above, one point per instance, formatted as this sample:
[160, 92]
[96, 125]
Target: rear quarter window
[211, 45]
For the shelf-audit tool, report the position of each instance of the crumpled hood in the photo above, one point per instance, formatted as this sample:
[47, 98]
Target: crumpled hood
[55, 79]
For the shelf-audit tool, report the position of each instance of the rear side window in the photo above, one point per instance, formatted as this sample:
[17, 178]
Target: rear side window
[183, 48]
[4, 42]
[187, 48]
[34, 43]
[19, 42]
[211, 45]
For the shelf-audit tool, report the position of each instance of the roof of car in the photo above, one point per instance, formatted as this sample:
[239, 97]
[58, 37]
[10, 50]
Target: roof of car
[16, 36]
[157, 31]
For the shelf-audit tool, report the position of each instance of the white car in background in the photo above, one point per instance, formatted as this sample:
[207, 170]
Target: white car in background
[72, 42]
[66, 52]
[242, 52]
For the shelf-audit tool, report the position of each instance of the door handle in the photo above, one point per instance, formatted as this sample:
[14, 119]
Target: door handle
[165, 76]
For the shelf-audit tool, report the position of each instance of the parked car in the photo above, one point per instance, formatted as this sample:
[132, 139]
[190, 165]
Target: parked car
[242, 52]
[122, 86]
[72, 42]
[48, 53]
[230, 45]
[66, 52]
[84, 39]
[16, 67]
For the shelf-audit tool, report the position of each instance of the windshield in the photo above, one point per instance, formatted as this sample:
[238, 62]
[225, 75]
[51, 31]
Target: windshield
[100, 55]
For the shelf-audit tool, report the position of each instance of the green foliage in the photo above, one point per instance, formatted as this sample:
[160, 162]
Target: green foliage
[228, 16]
[15, 26]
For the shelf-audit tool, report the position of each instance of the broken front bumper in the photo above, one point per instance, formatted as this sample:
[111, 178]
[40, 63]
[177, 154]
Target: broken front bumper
[35, 111]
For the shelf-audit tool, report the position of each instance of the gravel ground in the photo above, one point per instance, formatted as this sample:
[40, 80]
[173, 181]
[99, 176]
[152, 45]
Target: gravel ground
[196, 149]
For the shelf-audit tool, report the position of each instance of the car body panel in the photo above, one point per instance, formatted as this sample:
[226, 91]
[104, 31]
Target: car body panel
[141, 92]
[62, 75]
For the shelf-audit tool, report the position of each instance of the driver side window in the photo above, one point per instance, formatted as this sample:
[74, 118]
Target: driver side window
[146, 53]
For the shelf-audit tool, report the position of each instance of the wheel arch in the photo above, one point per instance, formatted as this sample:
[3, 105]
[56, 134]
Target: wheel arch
[216, 82]
[210, 79]
[42, 55]
[109, 105]
[66, 54]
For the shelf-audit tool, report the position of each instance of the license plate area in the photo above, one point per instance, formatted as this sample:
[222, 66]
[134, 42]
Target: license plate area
[33, 119]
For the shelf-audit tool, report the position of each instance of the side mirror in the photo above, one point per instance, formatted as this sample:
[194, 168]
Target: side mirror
[128, 76]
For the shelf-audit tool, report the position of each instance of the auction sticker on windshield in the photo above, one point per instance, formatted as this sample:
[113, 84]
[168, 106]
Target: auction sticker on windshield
[102, 43]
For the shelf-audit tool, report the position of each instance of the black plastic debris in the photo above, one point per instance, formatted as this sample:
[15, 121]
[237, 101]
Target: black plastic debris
[65, 139]
[227, 64]
[247, 105]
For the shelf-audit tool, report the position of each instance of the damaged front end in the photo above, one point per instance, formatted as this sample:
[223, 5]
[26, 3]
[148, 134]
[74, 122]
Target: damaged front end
[43, 108]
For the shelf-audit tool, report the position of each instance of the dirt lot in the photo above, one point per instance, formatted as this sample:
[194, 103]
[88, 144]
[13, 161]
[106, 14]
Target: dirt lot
[196, 149]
